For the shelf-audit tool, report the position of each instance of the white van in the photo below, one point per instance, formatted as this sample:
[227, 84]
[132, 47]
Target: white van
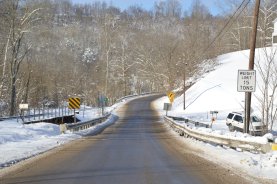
[235, 121]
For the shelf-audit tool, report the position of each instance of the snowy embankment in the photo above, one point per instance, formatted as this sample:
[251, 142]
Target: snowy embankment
[217, 91]
[19, 142]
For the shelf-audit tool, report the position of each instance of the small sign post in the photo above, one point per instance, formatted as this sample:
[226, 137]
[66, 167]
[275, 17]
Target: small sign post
[213, 118]
[22, 108]
[102, 102]
[167, 107]
[247, 83]
[74, 103]
[171, 96]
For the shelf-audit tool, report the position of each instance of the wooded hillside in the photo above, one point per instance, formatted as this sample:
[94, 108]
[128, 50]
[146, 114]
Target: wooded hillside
[51, 50]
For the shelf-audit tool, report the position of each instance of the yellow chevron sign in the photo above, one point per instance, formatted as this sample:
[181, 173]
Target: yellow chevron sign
[74, 103]
[171, 96]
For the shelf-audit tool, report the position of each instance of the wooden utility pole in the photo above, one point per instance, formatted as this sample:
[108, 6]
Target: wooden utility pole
[251, 65]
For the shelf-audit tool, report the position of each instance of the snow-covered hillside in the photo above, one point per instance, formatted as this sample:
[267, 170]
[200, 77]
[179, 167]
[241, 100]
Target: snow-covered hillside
[217, 91]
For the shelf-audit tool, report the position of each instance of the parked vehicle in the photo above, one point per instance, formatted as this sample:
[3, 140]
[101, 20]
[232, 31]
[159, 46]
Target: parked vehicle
[235, 121]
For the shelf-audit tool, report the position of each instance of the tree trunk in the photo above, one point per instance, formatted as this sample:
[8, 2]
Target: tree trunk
[27, 89]
[13, 96]
[4, 65]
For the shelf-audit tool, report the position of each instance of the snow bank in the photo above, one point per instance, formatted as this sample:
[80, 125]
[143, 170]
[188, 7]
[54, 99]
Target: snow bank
[19, 142]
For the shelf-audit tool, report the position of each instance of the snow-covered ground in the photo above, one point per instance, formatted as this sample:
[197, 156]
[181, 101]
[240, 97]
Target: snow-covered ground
[217, 91]
[19, 142]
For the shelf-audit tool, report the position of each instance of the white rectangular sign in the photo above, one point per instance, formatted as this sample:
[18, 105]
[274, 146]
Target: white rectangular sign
[246, 81]
[167, 106]
[23, 106]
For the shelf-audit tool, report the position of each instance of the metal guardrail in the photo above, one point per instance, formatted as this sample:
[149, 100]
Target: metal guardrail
[40, 113]
[55, 120]
[8, 117]
[74, 127]
[28, 116]
[196, 123]
[18, 117]
[136, 95]
[219, 140]
[47, 113]
[125, 97]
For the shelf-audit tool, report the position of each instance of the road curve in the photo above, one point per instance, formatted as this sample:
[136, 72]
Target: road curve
[137, 149]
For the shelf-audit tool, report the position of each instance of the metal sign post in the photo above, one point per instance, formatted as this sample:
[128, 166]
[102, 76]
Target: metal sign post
[167, 107]
[102, 102]
[74, 116]
[171, 96]
[23, 107]
[74, 103]
[246, 83]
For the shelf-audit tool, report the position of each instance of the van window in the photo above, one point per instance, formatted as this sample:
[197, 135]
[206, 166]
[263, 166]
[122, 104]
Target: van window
[255, 119]
[230, 116]
[238, 118]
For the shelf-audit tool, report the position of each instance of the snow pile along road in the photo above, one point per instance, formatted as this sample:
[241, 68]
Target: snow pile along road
[19, 142]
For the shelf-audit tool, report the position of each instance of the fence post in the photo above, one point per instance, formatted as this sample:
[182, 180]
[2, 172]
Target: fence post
[43, 112]
[29, 116]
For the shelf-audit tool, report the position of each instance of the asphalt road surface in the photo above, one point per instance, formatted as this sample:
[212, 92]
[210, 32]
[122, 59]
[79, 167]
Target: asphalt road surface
[137, 149]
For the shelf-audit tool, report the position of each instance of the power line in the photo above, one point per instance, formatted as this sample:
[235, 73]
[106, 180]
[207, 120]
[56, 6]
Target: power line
[218, 35]
[221, 31]
[227, 23]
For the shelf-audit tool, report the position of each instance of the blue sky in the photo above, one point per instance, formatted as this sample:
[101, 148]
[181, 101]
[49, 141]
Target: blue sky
[148, 4]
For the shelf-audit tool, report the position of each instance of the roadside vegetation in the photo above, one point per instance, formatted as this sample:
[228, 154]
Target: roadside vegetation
[51, 50]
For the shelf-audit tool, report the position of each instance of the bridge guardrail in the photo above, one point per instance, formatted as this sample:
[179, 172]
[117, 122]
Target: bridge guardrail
[74, 127]
[84, 125]
[136, 95]
[219, 140]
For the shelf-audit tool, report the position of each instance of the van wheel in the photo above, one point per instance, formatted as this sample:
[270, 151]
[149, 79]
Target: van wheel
[231, 128]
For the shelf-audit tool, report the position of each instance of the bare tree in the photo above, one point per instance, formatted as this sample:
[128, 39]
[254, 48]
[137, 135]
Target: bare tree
[84, 49]
[268, 87]
[109, 31]
[21, 22]
[268, 12]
